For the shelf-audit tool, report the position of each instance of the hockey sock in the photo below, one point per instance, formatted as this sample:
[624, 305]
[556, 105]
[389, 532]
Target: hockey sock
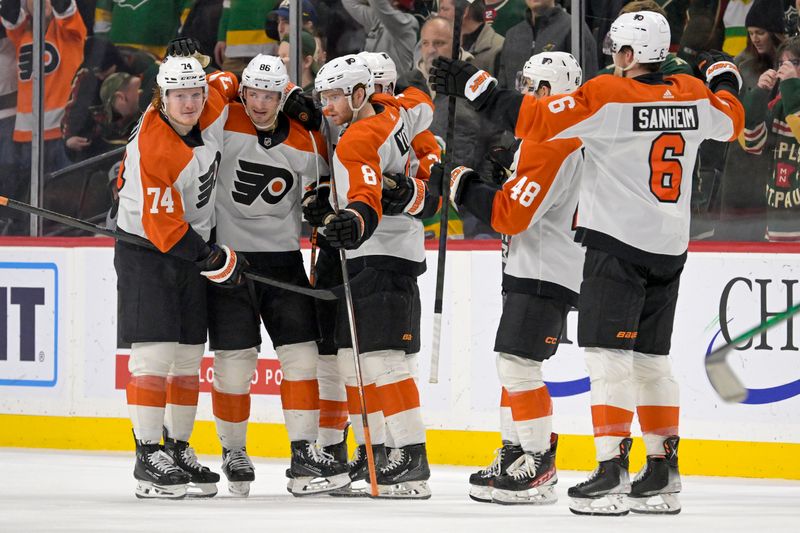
[398, 395]
[508, 432]
[332, 401]
[149, 364]
[230, 394]
[374, 413]
[657, 400]
[613, 398]
[183, 389]
[531, 405]
[299, 390]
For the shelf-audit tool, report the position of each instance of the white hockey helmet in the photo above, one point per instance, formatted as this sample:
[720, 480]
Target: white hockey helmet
[267, 73]
[384, 71]
[646, 32]
[180, 73]
[346, 73]
[560, 70]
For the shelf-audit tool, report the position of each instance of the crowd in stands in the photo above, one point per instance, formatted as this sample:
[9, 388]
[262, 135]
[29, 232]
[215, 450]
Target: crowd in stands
[101, 57]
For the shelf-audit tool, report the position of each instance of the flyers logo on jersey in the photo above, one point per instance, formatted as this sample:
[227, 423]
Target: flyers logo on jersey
[51, 60]
[254, 180]
[207, 182]
[478, 84]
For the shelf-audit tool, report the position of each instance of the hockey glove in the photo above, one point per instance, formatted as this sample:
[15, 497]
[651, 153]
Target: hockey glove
[435, 180]
[223, 266]
[502, 159]
[183, 46]
[459, 181]
[719, 71]
[302, 108]
[60, 6]
[454, 77]
[403, 195]
[345, 229]
[317, 204]
[10, 10]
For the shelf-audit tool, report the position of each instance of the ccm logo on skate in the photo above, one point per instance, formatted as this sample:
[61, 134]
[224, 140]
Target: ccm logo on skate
[551, 340]
[28, 324]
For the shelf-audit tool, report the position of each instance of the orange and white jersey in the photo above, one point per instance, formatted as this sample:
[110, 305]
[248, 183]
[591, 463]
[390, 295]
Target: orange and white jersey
[641, 138]
[536, 207]
[167, 182]
[261, 182]
[63, 52]
[366, 150]
[427, 152]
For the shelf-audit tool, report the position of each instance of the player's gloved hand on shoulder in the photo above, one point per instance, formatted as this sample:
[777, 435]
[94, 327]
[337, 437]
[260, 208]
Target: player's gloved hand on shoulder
[403, 194]
[59, 6]
[459, 181]
[223, 266]
[183, 47]
[302, 108]
[455, 77]
[317, 204]
[719, 71]
[10, 10]
[345, 229]
[502, 159]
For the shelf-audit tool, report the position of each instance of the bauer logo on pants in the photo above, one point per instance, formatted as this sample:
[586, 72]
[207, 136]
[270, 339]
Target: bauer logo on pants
[28, 324]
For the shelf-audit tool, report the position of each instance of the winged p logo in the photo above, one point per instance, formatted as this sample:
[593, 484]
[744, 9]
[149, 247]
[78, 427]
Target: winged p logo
[254, 180]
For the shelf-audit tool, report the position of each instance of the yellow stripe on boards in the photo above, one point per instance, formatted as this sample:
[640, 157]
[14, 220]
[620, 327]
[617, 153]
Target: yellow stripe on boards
[472, 448]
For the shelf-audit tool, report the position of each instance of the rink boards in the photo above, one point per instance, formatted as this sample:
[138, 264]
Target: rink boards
[62, 376]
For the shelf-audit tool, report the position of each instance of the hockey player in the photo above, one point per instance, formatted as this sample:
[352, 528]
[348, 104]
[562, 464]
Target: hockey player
[388, 253]
[542, 276]
[641, 131]
[166, 195]
[268, 159]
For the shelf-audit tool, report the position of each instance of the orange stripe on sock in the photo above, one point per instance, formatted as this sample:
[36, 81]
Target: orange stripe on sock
[399, 397]
[504, 401]
[300, 395]
[371, 397]
[658, 419]
[183, 390]
[149, 391]
[610, 421]
[232, 408]
[530, 404]
[332, 414]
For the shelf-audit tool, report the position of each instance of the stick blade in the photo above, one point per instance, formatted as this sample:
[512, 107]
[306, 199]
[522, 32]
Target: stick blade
[722, 378]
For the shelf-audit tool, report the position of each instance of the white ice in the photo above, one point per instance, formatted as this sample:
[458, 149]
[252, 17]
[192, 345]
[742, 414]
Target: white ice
[43, 490]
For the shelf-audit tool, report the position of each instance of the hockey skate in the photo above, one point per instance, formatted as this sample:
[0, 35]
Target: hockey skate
[202, 481]
[606, 490]
[531, 479]
[156, 474]
[359, 471]
[238, 468]
[655, 488]
[481, 482]
[314, 471]
[406, 474]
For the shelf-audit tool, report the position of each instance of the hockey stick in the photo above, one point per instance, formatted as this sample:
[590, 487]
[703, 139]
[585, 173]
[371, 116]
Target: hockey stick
[351, 318]
[719, 372]
[320, 294]
[312, 269]
[443, 217]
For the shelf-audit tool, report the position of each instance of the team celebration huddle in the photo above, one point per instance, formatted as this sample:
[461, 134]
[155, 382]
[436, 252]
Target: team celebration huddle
[221, 172]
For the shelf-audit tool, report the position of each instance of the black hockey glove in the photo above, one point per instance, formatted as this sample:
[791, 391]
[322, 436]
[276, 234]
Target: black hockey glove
[9, 10]
[459, 181]
[183, 47]
[435, 181]
[59, 6]
[502, 159]
[303, 109]
[345, 230]
[454, 77]
[397, 195]
[223, 266]
[719, 71]
[317, 204]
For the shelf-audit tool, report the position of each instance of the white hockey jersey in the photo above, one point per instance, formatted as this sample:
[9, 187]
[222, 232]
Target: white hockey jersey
[261, 182]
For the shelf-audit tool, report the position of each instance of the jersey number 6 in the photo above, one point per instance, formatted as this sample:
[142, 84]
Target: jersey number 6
[666, 171]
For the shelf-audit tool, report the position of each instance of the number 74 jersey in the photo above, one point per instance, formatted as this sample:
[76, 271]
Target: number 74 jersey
[641, 138]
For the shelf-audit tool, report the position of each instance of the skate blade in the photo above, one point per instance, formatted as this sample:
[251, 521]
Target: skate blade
[356, 489]
[407, 490]
[240, 489]
[656, 504]
[480, 493]
[545, 495]
[608, 505]
[309, 486]
[201, 490]
[148, 490]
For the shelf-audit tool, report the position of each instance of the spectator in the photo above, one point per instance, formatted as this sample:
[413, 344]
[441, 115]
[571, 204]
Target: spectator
[390, 27]
[772, 127]
[765, 33]
[277, 26]
[147, 26]
[501, 15]
[343, 35]
[477, 37]
[119, 96]
[551, 25]
[202, 23]
[241, 36]
[308, 49]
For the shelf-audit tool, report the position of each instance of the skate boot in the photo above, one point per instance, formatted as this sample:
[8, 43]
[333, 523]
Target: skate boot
[202, 481]
[655, 488]
[531, 479]
[339, 451]
[238, 468]
[406, 474]
[481, 482]
[606, 490]
[156, 474]
[359, 471]
[314, 471]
